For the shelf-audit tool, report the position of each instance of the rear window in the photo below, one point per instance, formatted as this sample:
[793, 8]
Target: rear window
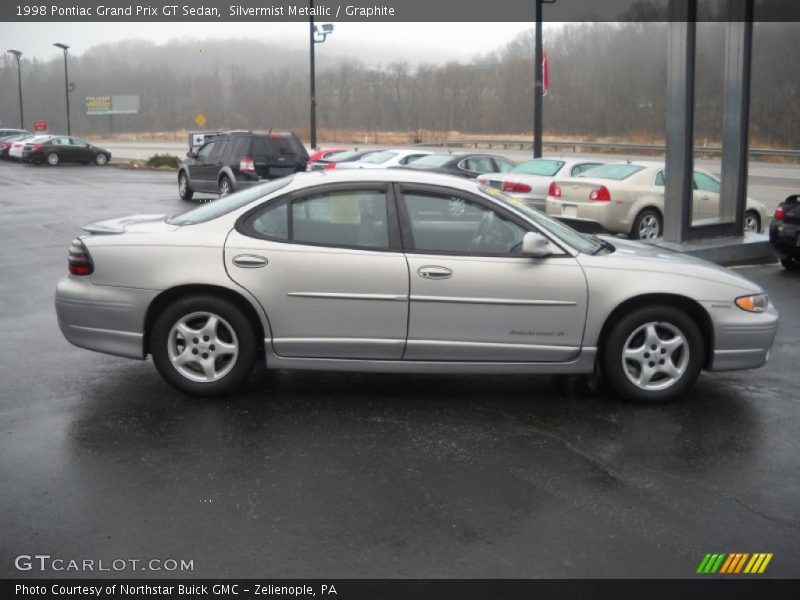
[544, 167]
[379, 157]
[434, 160]
[346, 156]
[615, 172]
[276, 146]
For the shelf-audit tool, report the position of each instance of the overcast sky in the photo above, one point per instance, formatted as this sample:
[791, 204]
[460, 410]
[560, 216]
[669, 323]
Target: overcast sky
[415, 42]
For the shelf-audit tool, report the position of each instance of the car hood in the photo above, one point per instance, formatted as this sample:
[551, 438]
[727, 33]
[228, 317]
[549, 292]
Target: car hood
[132, 224]
[637, 256]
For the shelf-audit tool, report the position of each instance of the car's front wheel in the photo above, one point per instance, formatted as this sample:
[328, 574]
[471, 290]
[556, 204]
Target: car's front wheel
[203, 346]
[100, 159]
[653, 354]
[184, 190]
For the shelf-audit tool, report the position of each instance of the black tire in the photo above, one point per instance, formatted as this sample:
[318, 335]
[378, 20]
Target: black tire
[52, 159]
[184, 189]
[167, 344]
[632, 331]
[648, 225]
[790, 264]
[100, 159]
[224, 186]
[752, 216]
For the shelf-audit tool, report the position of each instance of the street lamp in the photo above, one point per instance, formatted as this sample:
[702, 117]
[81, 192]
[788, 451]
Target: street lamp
[18, 54]
[64, 47]
[538, 85]
[317, 35]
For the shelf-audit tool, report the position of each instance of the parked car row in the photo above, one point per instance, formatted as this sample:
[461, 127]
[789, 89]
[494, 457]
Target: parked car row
[40, 148]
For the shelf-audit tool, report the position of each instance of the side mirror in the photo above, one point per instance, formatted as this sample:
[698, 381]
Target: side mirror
[191, 154]
[535, 245]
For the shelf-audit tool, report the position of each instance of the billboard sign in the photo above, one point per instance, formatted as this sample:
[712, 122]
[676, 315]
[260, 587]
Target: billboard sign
[40, 125]
[112, 105]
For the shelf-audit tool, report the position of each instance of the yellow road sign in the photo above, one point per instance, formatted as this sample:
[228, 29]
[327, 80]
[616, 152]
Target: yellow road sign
[200, 119]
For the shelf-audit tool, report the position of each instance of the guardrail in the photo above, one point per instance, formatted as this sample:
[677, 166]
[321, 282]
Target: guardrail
[595, 146]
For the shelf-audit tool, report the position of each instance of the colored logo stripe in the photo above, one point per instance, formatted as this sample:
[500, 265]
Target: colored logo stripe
[734, 563]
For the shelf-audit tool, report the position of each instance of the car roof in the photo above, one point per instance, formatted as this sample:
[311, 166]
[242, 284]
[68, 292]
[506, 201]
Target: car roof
[382, 175]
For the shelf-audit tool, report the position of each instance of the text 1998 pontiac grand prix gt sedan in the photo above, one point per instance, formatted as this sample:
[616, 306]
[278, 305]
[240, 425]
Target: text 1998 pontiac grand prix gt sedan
[370, 271]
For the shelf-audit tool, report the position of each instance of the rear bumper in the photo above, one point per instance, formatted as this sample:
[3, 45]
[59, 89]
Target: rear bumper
[530, 200]
[102, 318]
[587, 216]
[741, 340]
[785, 238]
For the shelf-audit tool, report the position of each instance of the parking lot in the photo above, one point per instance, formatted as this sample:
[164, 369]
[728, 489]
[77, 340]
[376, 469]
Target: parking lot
[364, 475]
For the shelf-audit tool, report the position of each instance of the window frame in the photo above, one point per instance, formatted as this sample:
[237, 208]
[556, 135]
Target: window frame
[244, 223]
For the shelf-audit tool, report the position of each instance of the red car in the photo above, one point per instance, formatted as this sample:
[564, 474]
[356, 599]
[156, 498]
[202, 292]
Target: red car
[324, 153]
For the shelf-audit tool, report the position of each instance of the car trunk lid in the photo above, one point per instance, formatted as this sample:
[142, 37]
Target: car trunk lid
[577, 191]
[131, 224]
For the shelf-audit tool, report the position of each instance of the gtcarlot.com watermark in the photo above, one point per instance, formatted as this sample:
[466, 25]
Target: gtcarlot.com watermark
[46, 563]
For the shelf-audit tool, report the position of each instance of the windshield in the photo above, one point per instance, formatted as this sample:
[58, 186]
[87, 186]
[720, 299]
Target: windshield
[617, 172]
[433, 160]
[581, 243]
[539, 166]
[378, 157]
[226, 204]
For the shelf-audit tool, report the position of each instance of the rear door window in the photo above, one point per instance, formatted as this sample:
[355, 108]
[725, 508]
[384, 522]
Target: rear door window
[351, 218]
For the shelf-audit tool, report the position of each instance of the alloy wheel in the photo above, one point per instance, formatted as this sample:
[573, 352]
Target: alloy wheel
[649, 227]
[655, 356]
[203, 347]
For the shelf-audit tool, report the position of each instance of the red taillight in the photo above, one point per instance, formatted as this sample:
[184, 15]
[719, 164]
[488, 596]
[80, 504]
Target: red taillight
[554, 190]
[516, 186]
[329, 166]
[247, 166]
[780, 213]
[601, 194]
[37, 147]
[79, 261]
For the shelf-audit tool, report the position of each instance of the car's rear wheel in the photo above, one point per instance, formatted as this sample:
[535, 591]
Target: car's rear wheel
[790, 264]
[653, 354]
[648, 225]
[184, 190]
[52, 159]
[752, 222]
[203, 346]
[100, 159]
[224, 186]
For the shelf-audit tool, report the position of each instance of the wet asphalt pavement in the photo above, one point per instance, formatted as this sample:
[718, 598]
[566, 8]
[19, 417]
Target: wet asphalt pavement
[360, 475]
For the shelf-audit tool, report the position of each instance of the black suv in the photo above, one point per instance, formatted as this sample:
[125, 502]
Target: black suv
[239, 159]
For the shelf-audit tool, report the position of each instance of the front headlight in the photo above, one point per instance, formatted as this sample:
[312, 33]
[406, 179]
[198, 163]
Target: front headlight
[756, 303]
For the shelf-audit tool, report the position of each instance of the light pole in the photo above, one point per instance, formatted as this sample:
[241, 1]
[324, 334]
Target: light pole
[18, 54]
[538, 85]
[314, 38]
[64, 47]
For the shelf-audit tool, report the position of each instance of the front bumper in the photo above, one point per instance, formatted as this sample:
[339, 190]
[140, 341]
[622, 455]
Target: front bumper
[742, 340]
[103, 318]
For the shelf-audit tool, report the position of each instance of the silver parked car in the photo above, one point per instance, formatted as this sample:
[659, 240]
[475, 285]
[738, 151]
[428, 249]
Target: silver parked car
[628, 197]
[370, 271]
[530, 181]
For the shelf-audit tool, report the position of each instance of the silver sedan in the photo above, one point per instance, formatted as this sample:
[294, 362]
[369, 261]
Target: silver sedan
[370, 271]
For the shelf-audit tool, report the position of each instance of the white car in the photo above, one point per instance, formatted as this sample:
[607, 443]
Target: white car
[15, 151]
[628, 197]
[386, 159]
[528, 182]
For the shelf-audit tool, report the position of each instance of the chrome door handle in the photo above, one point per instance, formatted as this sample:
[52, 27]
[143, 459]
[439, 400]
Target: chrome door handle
[431, 272]
[249, 261]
